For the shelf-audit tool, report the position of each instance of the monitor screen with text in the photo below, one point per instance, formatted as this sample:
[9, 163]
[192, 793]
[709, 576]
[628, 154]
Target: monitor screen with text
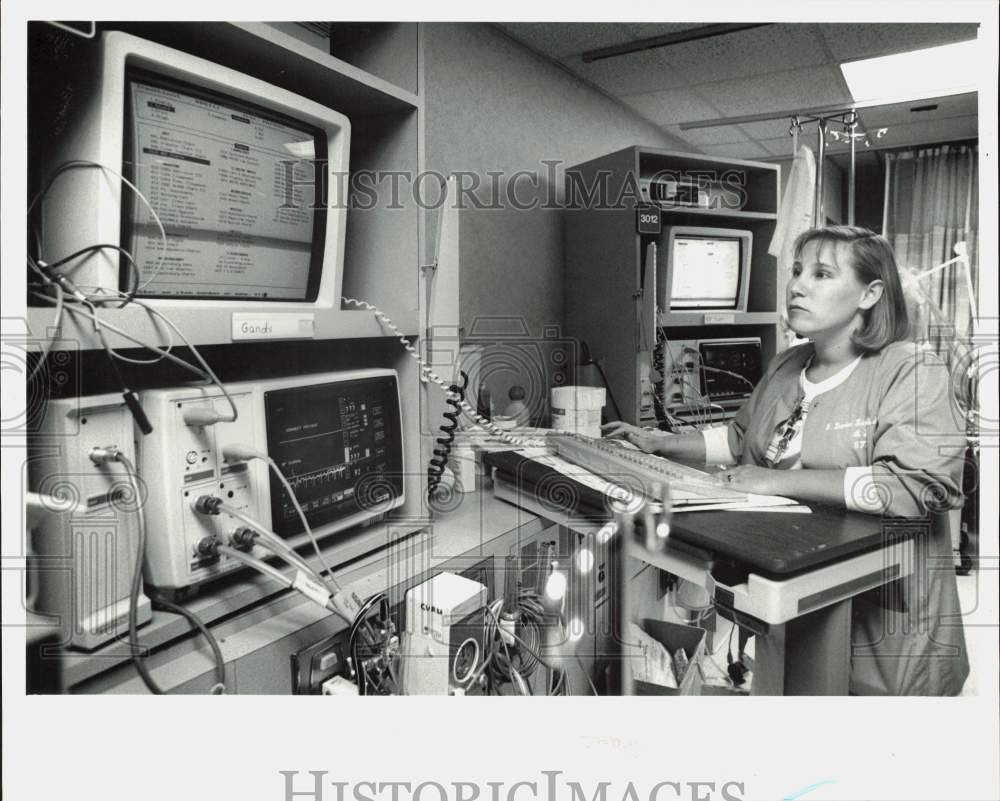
[706, 272]
[238, 189]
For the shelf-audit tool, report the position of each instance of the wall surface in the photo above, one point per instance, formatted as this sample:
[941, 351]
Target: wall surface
[492, 105]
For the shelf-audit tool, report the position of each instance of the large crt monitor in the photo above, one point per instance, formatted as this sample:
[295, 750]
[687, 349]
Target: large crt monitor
[707, 268]
[246, 178]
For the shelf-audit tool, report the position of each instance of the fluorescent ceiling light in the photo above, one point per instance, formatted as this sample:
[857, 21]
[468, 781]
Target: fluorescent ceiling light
[934, 72]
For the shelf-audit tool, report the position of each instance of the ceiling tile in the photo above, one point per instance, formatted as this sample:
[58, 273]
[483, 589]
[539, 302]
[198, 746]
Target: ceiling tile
[848, 41]
[671, 106]
[719, 135]
[780, 91]
[647, 30]
[932, 131]
[771, 48]
[736, 150]
[780, 68]
[635, 73]
[560, 39]
[771, 129]
[900, 114]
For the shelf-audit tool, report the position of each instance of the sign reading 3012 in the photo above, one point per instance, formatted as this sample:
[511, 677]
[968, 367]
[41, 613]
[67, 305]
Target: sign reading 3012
[647, 220]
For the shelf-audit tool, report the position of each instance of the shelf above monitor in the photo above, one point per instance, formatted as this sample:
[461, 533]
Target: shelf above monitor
[202, 329]
[716, 317]
[727, 214]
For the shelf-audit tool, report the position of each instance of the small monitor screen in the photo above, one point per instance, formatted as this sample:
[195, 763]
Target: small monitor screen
[240, 191]
[340, 447]
[733, 368]
[706, 273]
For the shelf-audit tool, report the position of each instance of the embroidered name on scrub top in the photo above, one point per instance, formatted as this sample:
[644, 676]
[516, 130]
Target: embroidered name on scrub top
[785, 450]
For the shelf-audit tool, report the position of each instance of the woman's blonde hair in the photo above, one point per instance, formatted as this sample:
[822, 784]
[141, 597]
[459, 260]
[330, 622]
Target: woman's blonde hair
[873, 260]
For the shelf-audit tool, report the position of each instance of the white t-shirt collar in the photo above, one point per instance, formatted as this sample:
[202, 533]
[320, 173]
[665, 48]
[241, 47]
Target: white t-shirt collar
[811, 389]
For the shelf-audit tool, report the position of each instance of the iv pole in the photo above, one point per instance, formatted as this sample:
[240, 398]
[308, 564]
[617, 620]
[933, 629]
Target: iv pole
[849, 121]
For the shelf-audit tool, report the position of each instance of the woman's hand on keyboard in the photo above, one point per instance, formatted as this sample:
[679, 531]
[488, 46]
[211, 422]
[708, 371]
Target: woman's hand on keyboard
[643, 438]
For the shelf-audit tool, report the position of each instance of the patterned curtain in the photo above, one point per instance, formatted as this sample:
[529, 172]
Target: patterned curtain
[932, 204]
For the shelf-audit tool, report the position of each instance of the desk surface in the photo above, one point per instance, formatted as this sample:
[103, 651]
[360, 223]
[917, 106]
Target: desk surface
[778, 544]
[774, 544]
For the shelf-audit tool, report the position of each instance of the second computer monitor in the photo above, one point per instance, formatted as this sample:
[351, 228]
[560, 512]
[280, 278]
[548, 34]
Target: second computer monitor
[707, 268]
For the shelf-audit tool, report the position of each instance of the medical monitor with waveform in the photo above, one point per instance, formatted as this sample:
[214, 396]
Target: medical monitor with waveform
[707, 268]
[340, 445]
[245, 177]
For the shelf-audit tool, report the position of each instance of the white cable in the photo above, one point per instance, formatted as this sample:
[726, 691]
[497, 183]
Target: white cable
[206, 375]
[256, 564]
[99, 299]
[428, 374]
[277, 575]
[115, 329]
[742, 378]
[67, 165]
[209, 372]
[135, 585]
[56, 327]
[237, 451]
[515, 677]
[328, 578]
[272, 541]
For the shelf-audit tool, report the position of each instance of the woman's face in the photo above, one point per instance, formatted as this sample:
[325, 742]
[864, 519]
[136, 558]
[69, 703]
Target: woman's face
[825, 297]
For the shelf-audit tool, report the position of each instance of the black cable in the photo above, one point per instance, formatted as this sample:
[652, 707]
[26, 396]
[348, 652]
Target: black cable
[220, 661]
[607, 386]
[439, 461]
[735, 668]
[133, 599]
[84, 163]
[662, 418]
[138, 654]
[133, 267]
[504, 660]
[659, 386]
[361, 678]
[130, 398]
[359, 618]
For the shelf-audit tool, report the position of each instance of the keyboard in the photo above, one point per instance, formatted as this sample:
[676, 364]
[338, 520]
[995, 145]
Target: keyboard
[607, 459]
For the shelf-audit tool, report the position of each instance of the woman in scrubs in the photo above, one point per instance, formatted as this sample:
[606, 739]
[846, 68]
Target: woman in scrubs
[862, 419]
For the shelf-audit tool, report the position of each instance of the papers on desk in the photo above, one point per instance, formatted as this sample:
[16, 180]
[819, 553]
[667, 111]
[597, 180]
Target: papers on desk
[754, 503]
[682, 502]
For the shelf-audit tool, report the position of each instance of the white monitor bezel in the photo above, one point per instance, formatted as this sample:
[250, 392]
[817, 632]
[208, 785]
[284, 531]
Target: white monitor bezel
[96, 132]
[746, 253]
